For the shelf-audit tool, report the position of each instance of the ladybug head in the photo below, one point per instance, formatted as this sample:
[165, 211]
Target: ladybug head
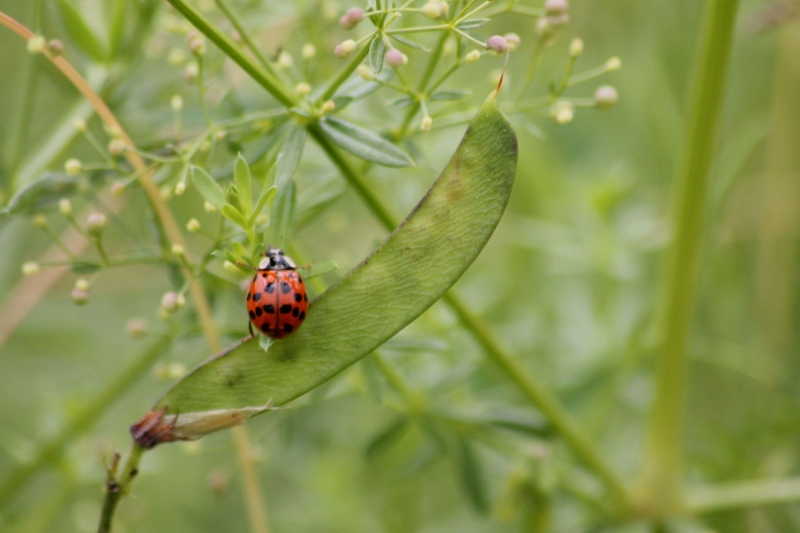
[275, 260]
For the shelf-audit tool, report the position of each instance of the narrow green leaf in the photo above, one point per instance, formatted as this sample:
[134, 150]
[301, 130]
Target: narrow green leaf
[386, 437]
[402, 102]
[234, 215]
[409, 43]
[448, 95]
[407, 274]
[282, 213]
[376, 52]
[268, 195]
[472, 476]
[84, 268]
[318, 269]
[472, 24]
[48, 189]
[240, 251]
[244, 185]
[208, 187]
[364, 143]
[116, 30]
[289, 156]
[80, 33]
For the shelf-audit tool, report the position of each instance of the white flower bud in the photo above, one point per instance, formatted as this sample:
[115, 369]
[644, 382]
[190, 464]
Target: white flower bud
[176, 103]
[613, 64]
[96, 224]
[197, 45]
[178, 250]
[209, 207]
[472, 57]
[82, 284]
[366, 72]
[30, 268]
[170, 302]
[302, 88]
[576, 47]
[39, 220]
[176, 57]
[65, 206]
[605, 97]
[426, 124]
[193, 225]
[435, 9]
[308, 51]
[328, 106]
[180, 188]
[36, 44]
[285, 60]
[136, 328]
[79, 124]
[117, 190]
[73, 167]
[116, 147]
[556, 7]
[345, 48]
[513, 41]
[56, 47]
[564, 113]
[191, 72]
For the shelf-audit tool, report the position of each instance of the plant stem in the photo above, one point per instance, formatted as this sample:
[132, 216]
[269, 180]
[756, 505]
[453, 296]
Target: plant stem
[84, 420]
[743, 494]
[534, 391]
[117, 487]
[344, 74]
[662, 465]
[237, 23]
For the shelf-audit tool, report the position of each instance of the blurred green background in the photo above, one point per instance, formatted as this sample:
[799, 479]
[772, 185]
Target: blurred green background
[570, 282]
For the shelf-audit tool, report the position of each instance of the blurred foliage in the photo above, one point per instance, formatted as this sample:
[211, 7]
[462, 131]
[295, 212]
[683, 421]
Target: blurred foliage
[569, 282]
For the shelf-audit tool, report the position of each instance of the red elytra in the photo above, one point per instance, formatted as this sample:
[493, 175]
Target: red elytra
[277, 301]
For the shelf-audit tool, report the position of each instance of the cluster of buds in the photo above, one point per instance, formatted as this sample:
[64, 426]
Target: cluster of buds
[556, 16]
[345, 48]
[80, 292]
[351, 18]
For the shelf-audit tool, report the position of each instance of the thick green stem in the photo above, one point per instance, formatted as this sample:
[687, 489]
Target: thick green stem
[533, 390]
[232, 50]
[237, 23]
[743, 494]
[84, 421]
[662, 466]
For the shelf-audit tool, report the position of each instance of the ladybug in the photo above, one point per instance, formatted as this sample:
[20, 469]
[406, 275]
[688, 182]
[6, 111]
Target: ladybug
[277, 301]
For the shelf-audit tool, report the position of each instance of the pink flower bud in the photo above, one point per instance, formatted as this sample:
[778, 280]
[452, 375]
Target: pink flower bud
[395, 58]
[556, 7]
[351, 18]
[497, 44]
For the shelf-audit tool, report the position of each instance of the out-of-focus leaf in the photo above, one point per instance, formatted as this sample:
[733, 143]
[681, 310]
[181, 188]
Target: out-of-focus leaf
[472, 476]
[116, 30]
[234, 215]
[409, 43]
[376, 52]
[448, 95]
[408, 273]
[208, 187]
[244, 184]
[402, 102]
[80, 33]
[282, 212]
[364, 143]
[318, 269]
[84, 267]
[46, 190]
[386, 437]
[472, 24]
[289, 156]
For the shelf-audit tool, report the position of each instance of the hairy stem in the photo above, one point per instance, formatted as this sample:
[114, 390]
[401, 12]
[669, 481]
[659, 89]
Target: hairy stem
[663, 458]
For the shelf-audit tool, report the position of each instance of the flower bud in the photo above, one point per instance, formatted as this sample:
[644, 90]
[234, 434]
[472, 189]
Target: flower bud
[556, 7]
[116, 147]
[176, 370]
[56, 47]
[176, 57]
[180, 188]
[308, 51]
[193, 226]
[79, 124]
[366, 73]
[576, 47]
[209, 207]
[96, 224]
[176, 103]
[496, 44]
[302, 88]
[72, 167]
[345, 48]
[472, 57]
[79, 297]
[351, 18]
[81, 284]
[178, 250]
[197, 45]
[136, 328]
[558, 21]
[39, 220]
[65, 206]
[426, 124]
[191, 72]
[613, 64]
[513, 41]
[36, 44]
[172, 301]
[220, 135]
[395, 58]
[564, 113]
[328, 106]
[30, 268]
[605, 97]
[435, 9]
[285, 59]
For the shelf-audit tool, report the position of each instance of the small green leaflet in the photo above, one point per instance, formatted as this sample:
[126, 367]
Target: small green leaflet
[364, 143]
[208, 188]
[376, 52]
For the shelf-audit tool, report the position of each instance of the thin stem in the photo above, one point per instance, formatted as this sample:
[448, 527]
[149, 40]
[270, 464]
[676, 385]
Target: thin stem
[237, 23]
[580, 444]
[201, 89]
[743, 494]
[116, 488]
[344, 74]
[664, 454]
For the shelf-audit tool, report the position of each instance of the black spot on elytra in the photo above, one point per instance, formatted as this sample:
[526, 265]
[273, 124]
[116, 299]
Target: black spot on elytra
[259, 312]
[263, 274]
[269, 308]
[302, 315]
[270, 288]
[285, 288]
[297, 297]
[256, 296]
[288, 328]
[252, 315]
[295, 311]
[286, 308]
[265, 327]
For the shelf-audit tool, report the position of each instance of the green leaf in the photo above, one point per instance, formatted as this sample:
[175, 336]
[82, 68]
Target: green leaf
[402, 102]
[280, 219]
[409, 43]
[364, 143]
[48, 189]
[116, 30]
[388, 436]
[409, 272]
[234, 215]
[318, 269]
[448, 95]
[472, 24]
[84, 267]
[268, 195]
[80, 33]
[244, 185]
[376, 52]
[472, 476]
[289, 156]
[208, 187]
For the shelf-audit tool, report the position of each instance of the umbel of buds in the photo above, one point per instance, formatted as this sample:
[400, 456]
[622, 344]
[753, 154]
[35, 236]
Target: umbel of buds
[396, 58]
[351, 18]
